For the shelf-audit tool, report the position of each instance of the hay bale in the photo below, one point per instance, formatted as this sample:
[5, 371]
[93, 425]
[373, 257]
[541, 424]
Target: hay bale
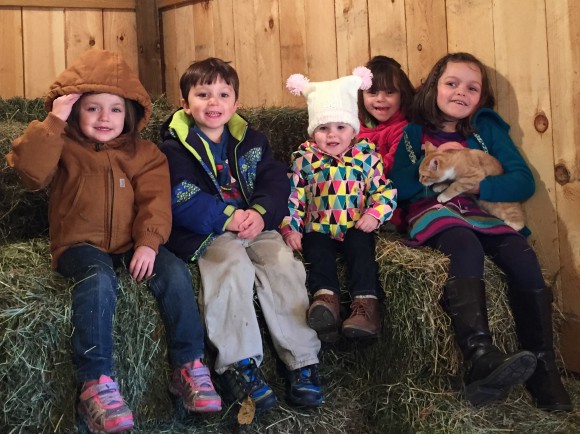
[407, 380]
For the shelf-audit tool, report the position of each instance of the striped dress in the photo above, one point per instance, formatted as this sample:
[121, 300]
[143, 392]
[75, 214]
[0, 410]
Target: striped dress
[427, 217]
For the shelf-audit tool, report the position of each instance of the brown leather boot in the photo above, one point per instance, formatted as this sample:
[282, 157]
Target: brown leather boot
[324, 317]
[364, 320]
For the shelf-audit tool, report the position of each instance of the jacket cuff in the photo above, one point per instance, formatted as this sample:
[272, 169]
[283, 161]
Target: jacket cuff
[149, 239]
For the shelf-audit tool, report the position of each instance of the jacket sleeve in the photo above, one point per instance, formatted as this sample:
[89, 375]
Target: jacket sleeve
[381, 197]
[152, 223]
[405, 172]
[194, 209]
[271, 189]
[390, 147]
[297, 200]
[517, 182]
[35, 154]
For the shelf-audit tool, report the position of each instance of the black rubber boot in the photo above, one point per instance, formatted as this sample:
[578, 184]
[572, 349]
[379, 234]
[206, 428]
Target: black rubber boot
[532, 311]
[489, 372]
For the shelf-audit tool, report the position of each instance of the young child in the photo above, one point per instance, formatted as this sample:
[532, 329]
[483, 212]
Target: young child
[229, 196]
[339, 197]
[385, 107]
[110, 207]
[455, 104]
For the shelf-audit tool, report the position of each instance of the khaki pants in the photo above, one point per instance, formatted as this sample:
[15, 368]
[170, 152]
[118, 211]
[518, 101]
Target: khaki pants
[230, 269]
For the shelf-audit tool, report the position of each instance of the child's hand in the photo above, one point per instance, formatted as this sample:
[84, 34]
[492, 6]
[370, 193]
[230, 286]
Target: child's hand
[238, 217]
[293, 240]
[62, 106]
[252, 226]
[141, 265]
[367, 223]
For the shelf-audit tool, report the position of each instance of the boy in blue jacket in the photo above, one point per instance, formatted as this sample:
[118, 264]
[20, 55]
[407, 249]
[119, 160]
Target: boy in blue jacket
[229, 196]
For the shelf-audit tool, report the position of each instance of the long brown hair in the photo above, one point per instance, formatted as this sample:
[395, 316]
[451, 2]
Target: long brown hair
[425, 109]
[389, 77]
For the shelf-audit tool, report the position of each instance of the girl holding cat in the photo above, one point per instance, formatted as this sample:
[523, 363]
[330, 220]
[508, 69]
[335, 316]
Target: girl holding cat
[455, 104]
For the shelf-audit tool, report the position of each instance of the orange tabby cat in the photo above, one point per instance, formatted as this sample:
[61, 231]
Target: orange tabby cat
[455, 170]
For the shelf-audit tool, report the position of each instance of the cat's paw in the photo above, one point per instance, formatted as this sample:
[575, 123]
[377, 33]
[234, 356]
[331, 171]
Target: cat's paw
[442, 198]
[438, 188]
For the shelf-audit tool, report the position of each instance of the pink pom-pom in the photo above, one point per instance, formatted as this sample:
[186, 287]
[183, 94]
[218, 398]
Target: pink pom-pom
[366, 76]
[296, 84]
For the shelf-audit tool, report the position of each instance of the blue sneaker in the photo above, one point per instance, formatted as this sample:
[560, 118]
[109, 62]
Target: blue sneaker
[245, 379]
[305, 387]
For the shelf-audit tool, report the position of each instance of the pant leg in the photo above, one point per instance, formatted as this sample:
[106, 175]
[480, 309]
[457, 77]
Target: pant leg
[464, 249]
[358, 249]
[171, 286]
[93, 305]
[320, 253]
[516, 258]
[280, 286]
[227, 276]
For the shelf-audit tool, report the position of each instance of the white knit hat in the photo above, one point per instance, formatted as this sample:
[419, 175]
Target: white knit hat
[332, 101]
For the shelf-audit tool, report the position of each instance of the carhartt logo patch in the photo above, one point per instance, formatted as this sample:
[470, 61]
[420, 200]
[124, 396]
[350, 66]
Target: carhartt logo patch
[122, 182]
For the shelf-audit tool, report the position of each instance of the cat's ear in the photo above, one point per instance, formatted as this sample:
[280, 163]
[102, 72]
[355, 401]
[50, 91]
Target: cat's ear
[434, 164]
[429, 147]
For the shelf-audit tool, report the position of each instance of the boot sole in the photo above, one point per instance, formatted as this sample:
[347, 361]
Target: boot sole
[495, 387]
[352, 332]
[321, 320]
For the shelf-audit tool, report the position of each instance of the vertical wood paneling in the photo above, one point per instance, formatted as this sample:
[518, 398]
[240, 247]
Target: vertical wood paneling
[563, 29]
[387, 30]
[179, 51]
[426, 36]
[321, 50]
[11, 60]
[523, 84]
[270, 83]
[84, 30]
[479, 39]
[44, 57]
[292, 46]
[224, 28]
[204, 30]
[120, 30]
[246, 55]
[352, 34]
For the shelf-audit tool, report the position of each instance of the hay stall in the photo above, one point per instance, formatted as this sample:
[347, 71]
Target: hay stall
[407, 381]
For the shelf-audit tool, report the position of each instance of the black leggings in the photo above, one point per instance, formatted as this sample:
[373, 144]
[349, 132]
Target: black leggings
[511, 252]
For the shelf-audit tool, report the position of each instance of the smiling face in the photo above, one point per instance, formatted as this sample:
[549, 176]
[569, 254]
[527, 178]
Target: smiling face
[382, 105]
[101, 116]
[211, 106]
[458, 92]
[334, 138]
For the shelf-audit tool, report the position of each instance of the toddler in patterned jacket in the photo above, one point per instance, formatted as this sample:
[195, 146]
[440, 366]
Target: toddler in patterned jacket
[339, 197]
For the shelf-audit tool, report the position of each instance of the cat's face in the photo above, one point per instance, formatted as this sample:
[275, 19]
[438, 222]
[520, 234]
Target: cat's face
[429, 171]
[433, 169]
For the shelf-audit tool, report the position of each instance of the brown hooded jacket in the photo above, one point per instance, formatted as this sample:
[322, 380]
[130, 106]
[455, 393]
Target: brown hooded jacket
[114, 196]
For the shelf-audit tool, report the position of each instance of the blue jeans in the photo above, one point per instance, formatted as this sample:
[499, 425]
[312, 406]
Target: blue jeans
[93, 305]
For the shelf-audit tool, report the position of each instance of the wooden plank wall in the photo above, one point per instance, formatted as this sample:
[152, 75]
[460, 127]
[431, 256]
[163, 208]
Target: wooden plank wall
[534, 74]
[531, 47]
[38, 42]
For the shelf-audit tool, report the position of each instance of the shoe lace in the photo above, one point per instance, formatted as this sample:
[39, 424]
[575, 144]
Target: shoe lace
[198, 377]
[110, 396]
[252, 374]
[358, 308]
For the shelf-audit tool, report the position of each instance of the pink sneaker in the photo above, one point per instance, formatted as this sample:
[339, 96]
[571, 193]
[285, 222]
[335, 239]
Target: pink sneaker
[193, 384]
[103, 408]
